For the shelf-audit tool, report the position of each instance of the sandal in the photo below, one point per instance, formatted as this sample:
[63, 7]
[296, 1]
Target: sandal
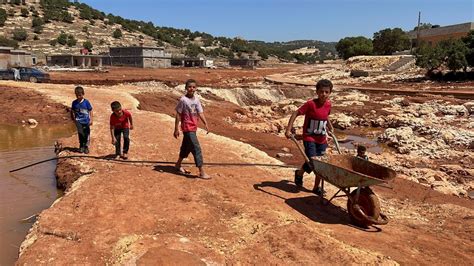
[124, 156]
[204, 176]
[183, 171]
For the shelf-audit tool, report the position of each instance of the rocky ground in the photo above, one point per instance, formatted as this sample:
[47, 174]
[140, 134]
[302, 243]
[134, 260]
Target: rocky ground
[117, 213]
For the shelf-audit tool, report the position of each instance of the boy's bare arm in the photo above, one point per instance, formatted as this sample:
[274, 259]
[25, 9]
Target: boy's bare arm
[290, 124]
[176, 125]
[131, 122]
[73, 117]
[91, 115]
[203, 118]
[112, 134]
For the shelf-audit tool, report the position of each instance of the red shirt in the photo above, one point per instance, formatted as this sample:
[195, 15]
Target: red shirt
[120, 122]
[315, 120]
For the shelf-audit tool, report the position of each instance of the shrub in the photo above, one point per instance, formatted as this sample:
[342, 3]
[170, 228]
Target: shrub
[20, 34]
[71, 41]
[24, 12]
[3, 17]
[117, 34]
[62, 38]
[88, 45]
[53, 42]
[8, 42]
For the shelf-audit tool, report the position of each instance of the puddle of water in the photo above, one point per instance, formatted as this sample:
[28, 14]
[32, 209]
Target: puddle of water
[29, 191]
[352, 141]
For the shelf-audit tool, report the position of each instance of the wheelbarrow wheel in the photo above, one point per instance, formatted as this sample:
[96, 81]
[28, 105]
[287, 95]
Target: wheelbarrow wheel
[367, 208]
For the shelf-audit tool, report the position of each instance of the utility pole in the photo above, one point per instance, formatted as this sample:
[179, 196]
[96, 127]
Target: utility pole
[418, 30]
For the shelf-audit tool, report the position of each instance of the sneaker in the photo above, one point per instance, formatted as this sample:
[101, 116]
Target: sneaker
[86, 150]
[298, 179]
[318, 191]
[82, 150]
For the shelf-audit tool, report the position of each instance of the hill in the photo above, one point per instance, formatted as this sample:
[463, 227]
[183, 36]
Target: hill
[60, 26]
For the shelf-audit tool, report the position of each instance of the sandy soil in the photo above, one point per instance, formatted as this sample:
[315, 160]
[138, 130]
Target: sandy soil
[119, 213]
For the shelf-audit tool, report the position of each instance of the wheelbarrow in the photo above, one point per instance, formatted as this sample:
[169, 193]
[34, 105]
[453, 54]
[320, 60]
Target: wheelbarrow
[353, 176]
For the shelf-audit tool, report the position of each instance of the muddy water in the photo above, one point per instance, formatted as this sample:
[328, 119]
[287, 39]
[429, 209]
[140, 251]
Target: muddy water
[367, 138]
[29, 191]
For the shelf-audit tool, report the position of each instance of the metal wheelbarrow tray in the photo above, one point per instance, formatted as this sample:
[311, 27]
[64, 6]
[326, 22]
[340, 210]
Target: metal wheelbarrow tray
[346, 172]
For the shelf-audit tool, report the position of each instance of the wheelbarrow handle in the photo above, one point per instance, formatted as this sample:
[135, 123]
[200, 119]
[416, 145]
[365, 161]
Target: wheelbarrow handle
[335, 141]
[292, 137]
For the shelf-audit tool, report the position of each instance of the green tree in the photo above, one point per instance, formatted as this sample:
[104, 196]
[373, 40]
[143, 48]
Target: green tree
[85, 14]
[193, 50]
[469, 42]
[37, 22]
[240, 46]
[71, 41]
[388, 41]
[117, 34]
[3, 17]
[423, 26]
[24, 12]
[88, 45]
[20, 34]
[353, 46]
[455, 54]
[85, 29]
[62, 38]
[66, 17]
[428, 57]
[8, 42]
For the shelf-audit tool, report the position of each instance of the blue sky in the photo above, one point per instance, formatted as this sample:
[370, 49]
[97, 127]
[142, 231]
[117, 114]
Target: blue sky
[284, 20]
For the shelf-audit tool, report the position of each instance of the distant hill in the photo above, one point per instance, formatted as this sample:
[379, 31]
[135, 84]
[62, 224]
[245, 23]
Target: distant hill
[61, 26]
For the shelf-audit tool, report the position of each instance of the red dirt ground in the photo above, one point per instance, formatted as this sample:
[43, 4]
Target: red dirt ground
[20, 104]
[172, 76]
[241, 216]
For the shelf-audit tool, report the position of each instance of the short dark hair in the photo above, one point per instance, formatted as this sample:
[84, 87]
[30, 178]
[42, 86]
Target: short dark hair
[361, 148]
[79, 90]
[189, 81]
[115, 105]
[324, 83]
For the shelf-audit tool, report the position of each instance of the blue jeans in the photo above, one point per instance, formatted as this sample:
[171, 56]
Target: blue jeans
[313, 149]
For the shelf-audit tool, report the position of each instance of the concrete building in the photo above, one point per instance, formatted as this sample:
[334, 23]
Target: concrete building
[144, 57]
[83, 61]
[10, 57]
[199, 61]
[245, 63]
[434, 35]
[140, 56]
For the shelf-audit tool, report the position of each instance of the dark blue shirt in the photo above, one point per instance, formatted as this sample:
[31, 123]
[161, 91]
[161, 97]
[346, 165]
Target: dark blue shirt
[82, 111]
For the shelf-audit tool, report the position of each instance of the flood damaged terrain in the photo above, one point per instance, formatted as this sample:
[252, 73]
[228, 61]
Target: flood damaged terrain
[120, 212]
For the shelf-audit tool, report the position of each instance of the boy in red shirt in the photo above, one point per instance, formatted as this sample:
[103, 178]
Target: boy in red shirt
[120, 123]
[316, 124]
[188, 111]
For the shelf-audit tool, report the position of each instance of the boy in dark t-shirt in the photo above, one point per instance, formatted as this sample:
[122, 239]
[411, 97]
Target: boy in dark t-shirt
[316, 124]
[81, 114]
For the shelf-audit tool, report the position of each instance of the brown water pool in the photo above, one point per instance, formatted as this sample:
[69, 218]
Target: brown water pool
[29, 191]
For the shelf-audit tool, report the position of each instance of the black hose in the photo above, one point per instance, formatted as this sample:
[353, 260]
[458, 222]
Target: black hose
[148, 162]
